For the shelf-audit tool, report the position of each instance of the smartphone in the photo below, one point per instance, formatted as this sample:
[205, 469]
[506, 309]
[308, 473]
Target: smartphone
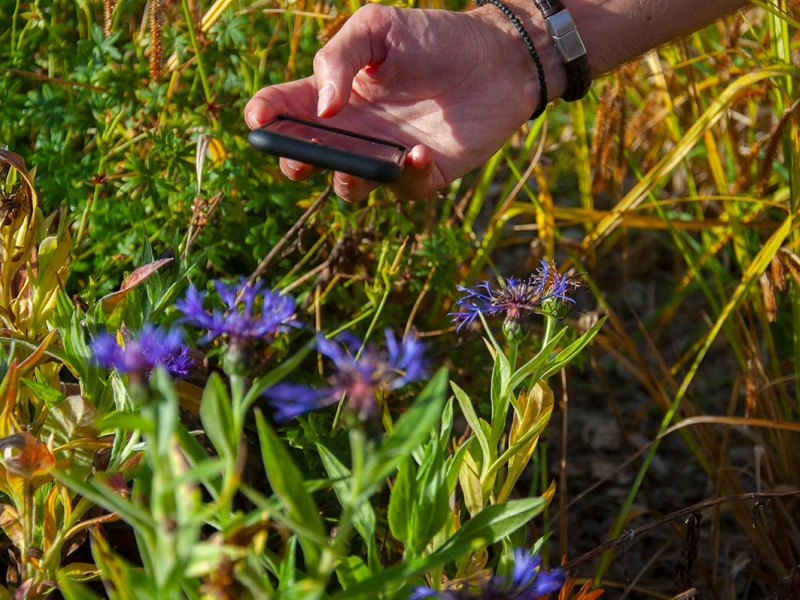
[331, 148]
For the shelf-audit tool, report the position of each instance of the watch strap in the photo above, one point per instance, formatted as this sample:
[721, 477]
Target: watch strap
[568, 42]
[549, 7]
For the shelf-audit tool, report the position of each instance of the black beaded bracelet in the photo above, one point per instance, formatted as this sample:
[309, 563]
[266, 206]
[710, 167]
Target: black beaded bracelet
[531, 48]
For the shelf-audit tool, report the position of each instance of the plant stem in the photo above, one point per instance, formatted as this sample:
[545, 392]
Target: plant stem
[512, 356]
[200, 68]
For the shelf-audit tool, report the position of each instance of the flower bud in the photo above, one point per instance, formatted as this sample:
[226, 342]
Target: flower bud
[557, 308]
[515, 330]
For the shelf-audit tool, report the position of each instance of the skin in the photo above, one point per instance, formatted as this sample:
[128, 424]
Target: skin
[454, 87]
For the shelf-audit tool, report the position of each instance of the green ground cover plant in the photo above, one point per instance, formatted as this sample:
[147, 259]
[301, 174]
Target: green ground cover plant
[218, 383]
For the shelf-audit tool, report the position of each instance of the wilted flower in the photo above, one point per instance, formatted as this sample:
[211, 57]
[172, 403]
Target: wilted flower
[557, 290]
[546, 292]
[142, 352]
[527, 580]
[238, 321]
[26, 457]
[359, 379]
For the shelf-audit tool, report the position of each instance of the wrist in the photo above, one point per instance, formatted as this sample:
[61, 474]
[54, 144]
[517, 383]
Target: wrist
[514, 55]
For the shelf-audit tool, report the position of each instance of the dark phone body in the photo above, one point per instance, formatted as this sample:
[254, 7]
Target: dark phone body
[331, 148]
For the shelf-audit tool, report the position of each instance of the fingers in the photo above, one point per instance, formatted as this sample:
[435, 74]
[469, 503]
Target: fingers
[361, 42]
[298, 171]
[420, 177]
[351, 188]
[295, 98]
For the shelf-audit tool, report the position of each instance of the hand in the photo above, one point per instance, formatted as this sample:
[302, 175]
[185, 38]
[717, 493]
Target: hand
[453, 87]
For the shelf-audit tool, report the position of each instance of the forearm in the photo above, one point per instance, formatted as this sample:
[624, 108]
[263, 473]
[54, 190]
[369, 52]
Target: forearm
[618, 31]
[613, 31]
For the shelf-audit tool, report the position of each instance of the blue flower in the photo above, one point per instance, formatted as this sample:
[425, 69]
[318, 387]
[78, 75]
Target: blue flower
[143, 351]
[238, 321]
[517, 299]
[359, 378]
[421, 592]
[545, 292]
[527, 580]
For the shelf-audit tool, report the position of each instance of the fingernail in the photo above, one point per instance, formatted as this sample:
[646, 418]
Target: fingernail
[326, 95]
[251, 119]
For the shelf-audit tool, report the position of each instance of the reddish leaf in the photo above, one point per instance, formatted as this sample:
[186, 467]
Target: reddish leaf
[142, 273]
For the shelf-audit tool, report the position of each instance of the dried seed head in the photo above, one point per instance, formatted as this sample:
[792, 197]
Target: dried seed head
[156, 37]
[791, 263]
[750, 388]
[776, 274]
[331, 29]
[768, 293]
[108, 14]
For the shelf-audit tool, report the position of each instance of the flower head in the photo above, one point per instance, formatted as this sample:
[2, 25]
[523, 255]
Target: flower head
[546, 292]
[527, 580]
[558, 291]
[143, 351]
[238, 321]
[516, 298]
[358, 377]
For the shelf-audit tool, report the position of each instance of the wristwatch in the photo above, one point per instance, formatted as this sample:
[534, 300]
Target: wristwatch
[570, 46]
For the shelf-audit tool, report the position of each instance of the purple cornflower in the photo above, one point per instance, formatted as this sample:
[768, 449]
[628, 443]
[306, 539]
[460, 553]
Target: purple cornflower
[360, 378]
[237, 321]
[546, 291]
[527, 580]
[516, 299]
[143, 351]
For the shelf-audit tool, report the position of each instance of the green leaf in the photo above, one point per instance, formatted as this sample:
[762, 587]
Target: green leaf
[104, 496]
[71, 589]
[215, 412]
[472, 420]
[567, 354]
[288, 572]
[454, 465]
[491, 525]
[50, 395]
[432, 500]
[447, 425]
[411, 430]
[364, 516]
[401, 502]
[287, 483]
[536, 362]
[197, 456]
[501, 373]
[351, 570]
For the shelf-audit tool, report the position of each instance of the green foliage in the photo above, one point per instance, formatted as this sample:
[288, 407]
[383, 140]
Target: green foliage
[143, 181]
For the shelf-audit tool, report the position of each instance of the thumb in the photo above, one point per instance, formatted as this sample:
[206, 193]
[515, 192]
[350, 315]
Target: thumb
[360, 43]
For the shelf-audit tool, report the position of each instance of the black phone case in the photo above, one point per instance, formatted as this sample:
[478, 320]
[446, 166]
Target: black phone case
[319, 155]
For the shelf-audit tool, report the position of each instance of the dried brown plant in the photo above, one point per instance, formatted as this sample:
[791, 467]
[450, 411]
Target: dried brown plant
[771, 152]
[791, 263]
[768, 293]
[776, 273]
[108, 14]
[751, 388]
[156, 37]
[331, 28]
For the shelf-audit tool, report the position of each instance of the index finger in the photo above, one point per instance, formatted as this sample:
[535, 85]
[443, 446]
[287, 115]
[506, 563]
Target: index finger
[294, 98]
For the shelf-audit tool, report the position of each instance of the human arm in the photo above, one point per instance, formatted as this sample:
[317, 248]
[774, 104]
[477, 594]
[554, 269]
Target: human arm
[454, 86]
